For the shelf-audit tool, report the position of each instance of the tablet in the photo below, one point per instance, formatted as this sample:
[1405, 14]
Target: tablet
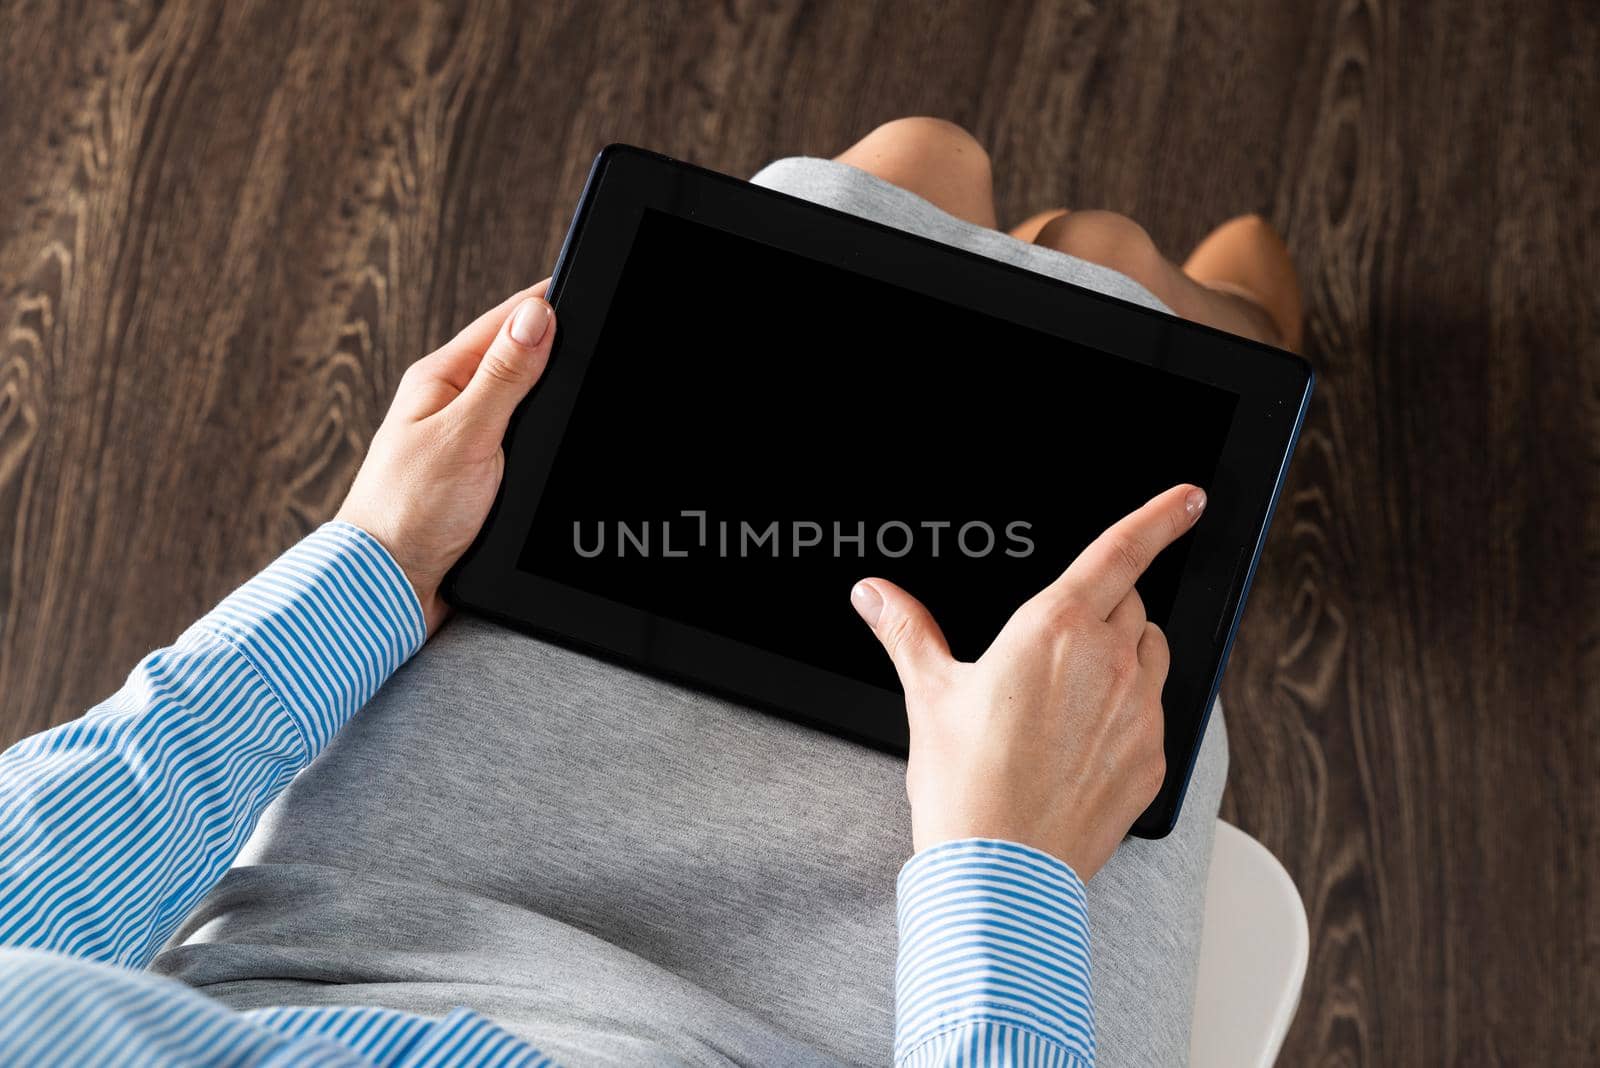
[754, 401]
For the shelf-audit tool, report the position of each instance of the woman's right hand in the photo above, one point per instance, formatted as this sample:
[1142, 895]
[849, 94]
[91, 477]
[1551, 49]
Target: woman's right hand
[1053, 739]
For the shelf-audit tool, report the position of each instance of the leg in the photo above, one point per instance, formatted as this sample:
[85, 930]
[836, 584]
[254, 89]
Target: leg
[935, 159]
[1240, 279]
[1246, 257]
[1028, 229]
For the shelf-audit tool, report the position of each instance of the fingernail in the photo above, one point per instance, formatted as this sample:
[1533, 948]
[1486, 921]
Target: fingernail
[530, 321]
[1194, 504]
[868, 603]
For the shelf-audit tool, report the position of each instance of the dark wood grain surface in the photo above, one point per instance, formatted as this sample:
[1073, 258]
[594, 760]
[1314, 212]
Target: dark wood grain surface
[224, 230]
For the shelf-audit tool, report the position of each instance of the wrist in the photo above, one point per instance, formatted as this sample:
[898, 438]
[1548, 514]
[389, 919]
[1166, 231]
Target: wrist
[1065, 848]
[424, 584]
[434, 609]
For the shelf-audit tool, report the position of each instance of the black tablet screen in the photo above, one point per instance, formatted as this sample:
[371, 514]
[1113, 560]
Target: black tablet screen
[757, 430]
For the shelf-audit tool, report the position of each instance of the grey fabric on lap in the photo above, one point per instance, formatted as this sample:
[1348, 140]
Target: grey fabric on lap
[624, 871]
[823, 181]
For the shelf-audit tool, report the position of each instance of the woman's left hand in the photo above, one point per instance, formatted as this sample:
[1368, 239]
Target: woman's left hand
[431, 474]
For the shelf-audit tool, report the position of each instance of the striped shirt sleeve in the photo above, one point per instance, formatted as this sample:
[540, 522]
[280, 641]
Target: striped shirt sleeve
[114, 825]
[60, 1011]
[994, 959]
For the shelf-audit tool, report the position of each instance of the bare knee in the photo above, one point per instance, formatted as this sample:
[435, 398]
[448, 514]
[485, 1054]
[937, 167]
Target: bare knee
[923, 138]
[1109, 239]
[934, 158]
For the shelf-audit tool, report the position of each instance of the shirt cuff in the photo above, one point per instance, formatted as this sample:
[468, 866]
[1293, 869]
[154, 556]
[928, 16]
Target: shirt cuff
[993, 936]
[324, 625]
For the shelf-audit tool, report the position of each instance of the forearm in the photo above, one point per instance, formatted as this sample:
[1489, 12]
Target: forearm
[994, 959]
[114, 825]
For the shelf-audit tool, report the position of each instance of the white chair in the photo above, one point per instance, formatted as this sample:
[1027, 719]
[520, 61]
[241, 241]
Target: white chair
[1253, 952]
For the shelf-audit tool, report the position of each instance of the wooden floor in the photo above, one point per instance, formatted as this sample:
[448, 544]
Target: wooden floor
[223, 232]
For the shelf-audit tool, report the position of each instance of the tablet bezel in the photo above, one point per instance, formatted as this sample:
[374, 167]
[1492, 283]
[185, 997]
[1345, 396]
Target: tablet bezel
[1273, 387]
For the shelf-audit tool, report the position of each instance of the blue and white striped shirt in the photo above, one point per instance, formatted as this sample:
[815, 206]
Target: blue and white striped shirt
[113, 826]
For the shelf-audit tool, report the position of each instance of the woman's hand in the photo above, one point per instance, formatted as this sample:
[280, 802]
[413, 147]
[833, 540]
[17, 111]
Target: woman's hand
[1054, 737]
[431, 474]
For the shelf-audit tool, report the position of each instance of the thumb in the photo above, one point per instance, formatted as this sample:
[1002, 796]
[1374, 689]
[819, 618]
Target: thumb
[513, 363]
[906, 628]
